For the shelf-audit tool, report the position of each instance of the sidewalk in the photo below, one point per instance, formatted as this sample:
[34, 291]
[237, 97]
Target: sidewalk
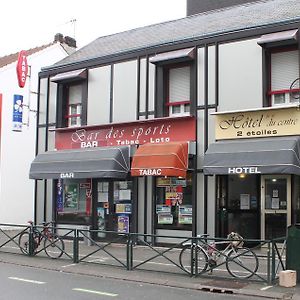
[102, 270]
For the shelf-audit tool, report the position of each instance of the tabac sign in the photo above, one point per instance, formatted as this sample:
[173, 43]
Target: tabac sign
[162, 130]
[22, 68]
[259, 123]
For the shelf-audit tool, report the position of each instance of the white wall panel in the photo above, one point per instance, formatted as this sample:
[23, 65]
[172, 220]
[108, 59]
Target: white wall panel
[151, 86]
[212, 75]
[125, 91]
[201, 76]
[143, 85]
[240, 75]
[98, 106]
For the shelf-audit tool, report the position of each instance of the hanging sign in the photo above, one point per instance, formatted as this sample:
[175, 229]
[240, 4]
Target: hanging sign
[22, 68]
[17, 113]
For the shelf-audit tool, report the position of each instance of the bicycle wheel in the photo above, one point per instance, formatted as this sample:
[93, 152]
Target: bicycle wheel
[185, 259]
[24, 243]
[54, 246]
[241, 263]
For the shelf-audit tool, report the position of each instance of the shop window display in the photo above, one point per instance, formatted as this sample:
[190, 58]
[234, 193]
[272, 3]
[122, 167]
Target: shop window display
[174, 203]
[73, 201]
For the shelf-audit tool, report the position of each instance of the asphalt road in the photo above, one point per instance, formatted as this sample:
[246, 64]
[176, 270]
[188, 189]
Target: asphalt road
[20, 282]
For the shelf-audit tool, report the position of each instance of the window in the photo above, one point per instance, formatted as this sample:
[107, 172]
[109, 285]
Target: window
[178, 91]
[74, 105]
[73, 201]
[174, 203]
[284, 83]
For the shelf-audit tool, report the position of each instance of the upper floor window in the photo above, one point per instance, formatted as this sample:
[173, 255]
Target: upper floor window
[282, 67]
[174, 79]
[74, 105]
[284, 83]
[71, 98]
[178, 96]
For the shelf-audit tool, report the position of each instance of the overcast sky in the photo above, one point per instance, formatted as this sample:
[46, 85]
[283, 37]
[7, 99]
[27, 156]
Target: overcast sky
[30, 23]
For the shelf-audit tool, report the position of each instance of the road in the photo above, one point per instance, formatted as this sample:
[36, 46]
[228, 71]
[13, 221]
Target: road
[21, 282]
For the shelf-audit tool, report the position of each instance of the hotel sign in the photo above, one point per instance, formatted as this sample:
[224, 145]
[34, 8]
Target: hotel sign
[162, 130]
[260, 123]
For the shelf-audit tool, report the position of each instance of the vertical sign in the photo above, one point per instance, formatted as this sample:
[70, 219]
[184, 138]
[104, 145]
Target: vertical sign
[59, 196]
[0, 118]
[17, 113]
[22, 68]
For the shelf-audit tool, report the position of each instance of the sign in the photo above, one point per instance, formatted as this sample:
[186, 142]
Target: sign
[134, 133]
[244, 170]
[123, 224]
[261, 123]
[22, 68]
[17, 113]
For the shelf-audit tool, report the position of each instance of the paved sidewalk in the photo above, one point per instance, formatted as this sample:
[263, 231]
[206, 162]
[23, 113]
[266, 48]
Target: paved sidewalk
[111, 263]
[179, 280]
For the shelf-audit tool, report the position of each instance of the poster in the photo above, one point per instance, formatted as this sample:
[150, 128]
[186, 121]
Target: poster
[244, 201]
[185, 219]
[165, 219]
[59, 196]
[123, 224]
[101, 221]
[185, 210]
[163, 209]
[124, 194]
[123, 208]
[275, 203]
[71, 196]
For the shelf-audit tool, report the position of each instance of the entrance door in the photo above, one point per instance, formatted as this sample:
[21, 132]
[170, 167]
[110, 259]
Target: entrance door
[275, 205]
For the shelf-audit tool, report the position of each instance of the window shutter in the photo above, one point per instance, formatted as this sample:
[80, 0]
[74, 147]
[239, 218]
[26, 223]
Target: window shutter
[179, 84]
[284, 69]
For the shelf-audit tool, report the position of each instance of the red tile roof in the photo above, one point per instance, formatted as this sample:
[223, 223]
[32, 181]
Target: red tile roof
[8, 59]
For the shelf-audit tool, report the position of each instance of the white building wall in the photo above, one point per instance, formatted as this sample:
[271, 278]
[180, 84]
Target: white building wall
[18, 148]
[240, 75]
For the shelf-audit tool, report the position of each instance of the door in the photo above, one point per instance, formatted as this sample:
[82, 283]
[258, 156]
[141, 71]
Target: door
[113, 208]
[275, 205]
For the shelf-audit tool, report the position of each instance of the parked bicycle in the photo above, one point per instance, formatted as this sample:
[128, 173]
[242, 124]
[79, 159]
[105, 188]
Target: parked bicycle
[241, 262]
[53, 245]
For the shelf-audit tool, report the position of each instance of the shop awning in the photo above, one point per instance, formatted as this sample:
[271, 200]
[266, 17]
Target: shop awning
[168, 159]
[278, 155]
[106, 162]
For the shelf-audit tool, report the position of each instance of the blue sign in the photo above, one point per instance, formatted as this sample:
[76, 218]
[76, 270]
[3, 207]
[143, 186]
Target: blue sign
[18, 113]
[59, 196]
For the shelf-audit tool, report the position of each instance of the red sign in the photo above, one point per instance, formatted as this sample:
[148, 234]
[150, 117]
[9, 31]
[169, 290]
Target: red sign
[22, 68]
[162, 130]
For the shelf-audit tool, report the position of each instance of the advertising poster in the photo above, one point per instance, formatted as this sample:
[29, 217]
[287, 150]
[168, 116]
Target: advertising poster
[163, 209]
[71, 196]
[123, 224]
[101, 221]
[123, 208]
[17, 113]
[185, 214]
[59, 196]
[165, 219]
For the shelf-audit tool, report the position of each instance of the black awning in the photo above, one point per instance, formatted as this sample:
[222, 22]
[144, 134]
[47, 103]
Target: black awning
[280, 155]
[106, 162]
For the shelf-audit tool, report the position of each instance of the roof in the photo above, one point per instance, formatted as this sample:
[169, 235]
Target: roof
[196, 27]
[8, 59]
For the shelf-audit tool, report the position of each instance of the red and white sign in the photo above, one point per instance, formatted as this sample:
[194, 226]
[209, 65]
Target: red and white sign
[22, 68]
[162, 130]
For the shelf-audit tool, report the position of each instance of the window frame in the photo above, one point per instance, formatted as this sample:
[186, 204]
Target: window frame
[63, 115]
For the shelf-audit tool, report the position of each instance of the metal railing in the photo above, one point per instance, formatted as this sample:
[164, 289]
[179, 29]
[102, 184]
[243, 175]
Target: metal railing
[134, 251]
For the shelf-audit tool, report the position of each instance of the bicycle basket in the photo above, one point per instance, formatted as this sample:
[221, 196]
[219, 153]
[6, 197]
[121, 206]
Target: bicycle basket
[235, 239]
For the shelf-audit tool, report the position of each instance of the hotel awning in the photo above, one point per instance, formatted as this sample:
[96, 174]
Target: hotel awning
[278, 155]
[106, 162]
[168, 159]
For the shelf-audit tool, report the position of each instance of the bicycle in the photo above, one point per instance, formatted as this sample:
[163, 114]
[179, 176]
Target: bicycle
[53, 245]
[241, 262]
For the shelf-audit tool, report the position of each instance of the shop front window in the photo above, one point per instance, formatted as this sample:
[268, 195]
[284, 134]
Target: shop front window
[174, 203]
[73, 201]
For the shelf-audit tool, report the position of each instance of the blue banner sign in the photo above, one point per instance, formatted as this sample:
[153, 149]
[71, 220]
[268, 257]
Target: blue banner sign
[18, 113]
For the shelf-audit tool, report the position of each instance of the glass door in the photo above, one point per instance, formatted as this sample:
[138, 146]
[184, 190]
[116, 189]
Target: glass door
[275, 205]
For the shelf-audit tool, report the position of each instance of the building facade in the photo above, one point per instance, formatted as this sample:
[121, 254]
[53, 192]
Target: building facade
[18, 144]
[168, 129]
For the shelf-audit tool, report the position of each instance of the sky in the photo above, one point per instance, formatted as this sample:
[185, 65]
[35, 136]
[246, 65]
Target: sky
[31, 23]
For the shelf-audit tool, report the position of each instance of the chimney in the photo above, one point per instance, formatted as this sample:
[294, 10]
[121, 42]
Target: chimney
[70, 41]
[59, 38]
